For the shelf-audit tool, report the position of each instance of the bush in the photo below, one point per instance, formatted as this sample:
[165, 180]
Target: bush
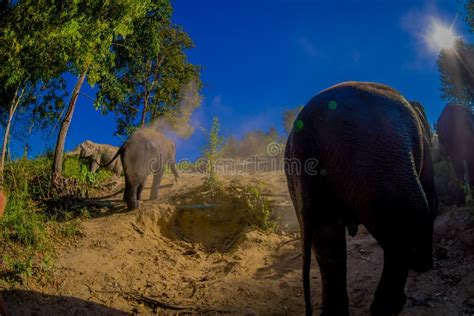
[447, 185]
[242, 200]
[25, 233]
[78, 168]
[22, 224]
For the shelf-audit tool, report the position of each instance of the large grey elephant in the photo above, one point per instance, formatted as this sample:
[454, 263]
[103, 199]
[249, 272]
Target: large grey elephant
[359, 153]
[146, 151]
[98, 154]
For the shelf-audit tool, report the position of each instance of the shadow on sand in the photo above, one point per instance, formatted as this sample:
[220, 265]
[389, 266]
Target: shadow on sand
[22, 302]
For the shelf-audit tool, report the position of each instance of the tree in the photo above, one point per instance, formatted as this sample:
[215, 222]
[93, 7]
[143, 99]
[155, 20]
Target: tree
[41, 111]
[456, 67]
[29, 68]
[289, 117]
[154, 79]
[85, 32]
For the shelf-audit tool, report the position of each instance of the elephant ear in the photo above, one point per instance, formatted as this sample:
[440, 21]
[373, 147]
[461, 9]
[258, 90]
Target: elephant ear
[95, 162]
[97, 156]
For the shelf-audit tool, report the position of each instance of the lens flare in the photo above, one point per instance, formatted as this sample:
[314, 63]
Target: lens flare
[441, 37]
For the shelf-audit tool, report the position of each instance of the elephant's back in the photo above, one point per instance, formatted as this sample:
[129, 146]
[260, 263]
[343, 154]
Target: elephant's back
[367, 140]
[143, 149]
[361, 119]
[455, 128]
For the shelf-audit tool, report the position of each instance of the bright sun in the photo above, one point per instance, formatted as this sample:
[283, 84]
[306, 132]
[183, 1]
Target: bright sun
[441, 37]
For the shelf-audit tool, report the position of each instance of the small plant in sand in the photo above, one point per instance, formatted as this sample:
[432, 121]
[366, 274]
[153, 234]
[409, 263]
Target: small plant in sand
[211, 153]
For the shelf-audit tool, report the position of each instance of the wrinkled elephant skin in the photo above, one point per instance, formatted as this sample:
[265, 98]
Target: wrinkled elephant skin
[371, 149]
[146, 152]
[455, 130]
[99, 154]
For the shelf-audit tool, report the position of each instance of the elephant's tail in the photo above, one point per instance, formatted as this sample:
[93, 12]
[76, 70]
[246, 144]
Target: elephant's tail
[119, 151]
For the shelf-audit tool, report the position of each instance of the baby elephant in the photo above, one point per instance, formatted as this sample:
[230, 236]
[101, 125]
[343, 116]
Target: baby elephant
[99, 154]
[146, 151]
[359, 153]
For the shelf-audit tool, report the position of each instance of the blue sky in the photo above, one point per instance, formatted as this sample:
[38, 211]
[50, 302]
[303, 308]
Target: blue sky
[264, 56]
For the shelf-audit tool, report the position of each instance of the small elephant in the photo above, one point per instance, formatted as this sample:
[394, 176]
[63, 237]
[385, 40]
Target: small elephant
[146, 151]
[98, 154]
[455, 129]
[359, 153]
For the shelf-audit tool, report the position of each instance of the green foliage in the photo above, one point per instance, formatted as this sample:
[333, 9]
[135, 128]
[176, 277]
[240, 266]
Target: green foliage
[151, 74]
[84, 35]
[18, 268]
[29, 223]
[23, 229]
[84, 30]
[78, 168]
[241, 200]
[29, 69]
[70, 227]
[29, 177]
[456, 69]
[211, 152]
[248, 199]
[258, 208]
[21, 223]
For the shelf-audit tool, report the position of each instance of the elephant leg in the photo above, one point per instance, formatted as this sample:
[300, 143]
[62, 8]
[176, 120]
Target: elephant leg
[140, 189]
[306, 240]
[390, 295]
[156, 184]
[130, 195]
[175, 172]
[329, 244]
[423, 257]
[126, 191]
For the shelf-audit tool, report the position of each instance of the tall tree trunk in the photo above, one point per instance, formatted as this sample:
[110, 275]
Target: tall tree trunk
[145, 108]
[13, 106]
[59, 149]
[146, 94]
[26, 149]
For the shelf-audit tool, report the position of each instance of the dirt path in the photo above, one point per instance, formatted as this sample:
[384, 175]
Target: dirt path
[133, 263]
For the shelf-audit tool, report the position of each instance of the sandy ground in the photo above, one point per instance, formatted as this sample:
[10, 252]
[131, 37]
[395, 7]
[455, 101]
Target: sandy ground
[139, 263]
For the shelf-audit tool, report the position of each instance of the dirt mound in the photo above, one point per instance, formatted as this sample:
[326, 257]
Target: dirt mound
[157, 260]
[209, 228]
[213, 228]
[216, 216]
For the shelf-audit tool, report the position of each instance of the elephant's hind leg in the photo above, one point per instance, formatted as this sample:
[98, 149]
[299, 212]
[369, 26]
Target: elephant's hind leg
[329, 242]
[156, 184]
[390, 295]
[175, 172]
[130, 195]
[140, 190]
